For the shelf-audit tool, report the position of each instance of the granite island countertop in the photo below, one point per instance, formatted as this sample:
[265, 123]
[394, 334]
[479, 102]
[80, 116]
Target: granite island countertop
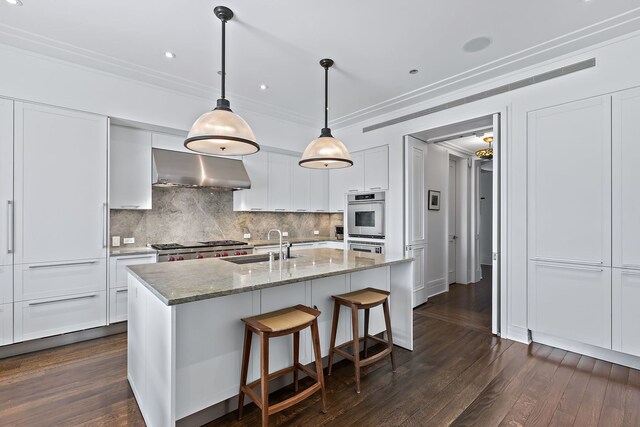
[186, 281]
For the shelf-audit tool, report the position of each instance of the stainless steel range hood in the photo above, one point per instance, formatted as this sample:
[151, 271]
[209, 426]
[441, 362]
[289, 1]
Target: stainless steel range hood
[176, 169]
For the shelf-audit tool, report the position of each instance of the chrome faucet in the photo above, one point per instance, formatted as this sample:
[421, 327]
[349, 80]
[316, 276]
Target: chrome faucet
[281, 254]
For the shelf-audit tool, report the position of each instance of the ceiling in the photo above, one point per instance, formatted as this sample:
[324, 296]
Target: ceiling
[279, 43]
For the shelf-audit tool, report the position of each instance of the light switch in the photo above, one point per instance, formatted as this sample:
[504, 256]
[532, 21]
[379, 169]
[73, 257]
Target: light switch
[115, 241]
[285, 234]
[247, 235]
[129, 240]
[316, 232]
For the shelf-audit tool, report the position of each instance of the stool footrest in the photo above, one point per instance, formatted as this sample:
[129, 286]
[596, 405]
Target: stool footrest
[253, 395]
[377, 339]
[372, 359]
[298, 397]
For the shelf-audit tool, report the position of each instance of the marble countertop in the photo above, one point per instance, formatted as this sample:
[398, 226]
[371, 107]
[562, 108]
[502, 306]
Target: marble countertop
[293, 240]
[186, 281]
[131, 250]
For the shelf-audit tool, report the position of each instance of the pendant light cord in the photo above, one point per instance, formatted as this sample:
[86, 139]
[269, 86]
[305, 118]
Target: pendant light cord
[224, 73]
[326, 97]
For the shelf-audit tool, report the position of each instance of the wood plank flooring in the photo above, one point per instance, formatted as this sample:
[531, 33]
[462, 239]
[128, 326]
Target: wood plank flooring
[458, 374]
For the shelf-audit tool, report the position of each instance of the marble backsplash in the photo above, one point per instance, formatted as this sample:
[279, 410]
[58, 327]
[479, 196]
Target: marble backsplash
[186, 214]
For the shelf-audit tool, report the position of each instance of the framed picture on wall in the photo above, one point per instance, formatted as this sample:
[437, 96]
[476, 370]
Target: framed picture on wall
[434, 200]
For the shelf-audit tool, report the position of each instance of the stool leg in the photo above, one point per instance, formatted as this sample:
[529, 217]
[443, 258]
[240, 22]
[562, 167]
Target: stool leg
[248, 335]
[334, 330]
[318, 357]
[387, 321]
[264, 377]
[366, 330]
[296, 359]
[356, 345]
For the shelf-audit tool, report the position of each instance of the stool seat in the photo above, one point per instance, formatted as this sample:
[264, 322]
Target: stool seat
[365, 296]
[283, 320]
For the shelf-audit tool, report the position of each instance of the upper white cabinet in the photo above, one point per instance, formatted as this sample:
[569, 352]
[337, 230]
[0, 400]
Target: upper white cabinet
[169, 142]
[318, 194]
[279, 182]
[376, 168]
[300, 186]
[7, 236]
[130, 168]
[257, 197]
[570, 182]
[355, 174]
[626, 178]
[337, 189]
[60, 184]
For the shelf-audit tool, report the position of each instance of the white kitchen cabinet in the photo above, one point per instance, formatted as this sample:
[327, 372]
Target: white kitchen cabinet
[321, 292]
[355, 174]
[257, 197]
[118, 274]
[59, 315]
[6, 324]
[570, 182]
[378, 278]
[376, 168]
[301, 190]
[279, 182]
[60, 185]
[318, 194]
[6, 284]
[571, 301]
[337, 189]
[118, 305]
[170, 142]
[7, 236]
[626, 316]
[626, 177]
[130, 168]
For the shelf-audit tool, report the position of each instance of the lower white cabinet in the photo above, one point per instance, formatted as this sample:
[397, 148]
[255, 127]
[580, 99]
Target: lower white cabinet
[59, 315]
[118, 267]
[45, 280]
[626, 316]
[118, 305]
[321, 292]
[6, 284]
[378, 278]
[6, 324]
[571, 301]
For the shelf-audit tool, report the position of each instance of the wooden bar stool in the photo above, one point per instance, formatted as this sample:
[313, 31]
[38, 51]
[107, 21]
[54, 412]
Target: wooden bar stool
[276, 324]
[364, 299]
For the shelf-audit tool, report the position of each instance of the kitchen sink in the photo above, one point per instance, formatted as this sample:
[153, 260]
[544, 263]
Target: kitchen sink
[250, 259]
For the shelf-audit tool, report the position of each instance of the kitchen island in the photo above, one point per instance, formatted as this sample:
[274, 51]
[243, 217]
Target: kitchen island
[185, 333]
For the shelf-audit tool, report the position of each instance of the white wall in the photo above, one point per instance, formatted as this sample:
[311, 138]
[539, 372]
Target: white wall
[485, 220]
[618, 68]
[437, 178]
[32, 77]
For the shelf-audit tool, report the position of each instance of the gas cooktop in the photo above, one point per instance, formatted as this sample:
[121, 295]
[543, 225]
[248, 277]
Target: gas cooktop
[209, 244]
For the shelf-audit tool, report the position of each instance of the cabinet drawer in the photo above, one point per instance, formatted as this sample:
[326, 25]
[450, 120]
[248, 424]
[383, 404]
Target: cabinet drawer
[52, 316]
[118, 268]
[118, 305]
[6, 324]
[45, 280]
[6, 284]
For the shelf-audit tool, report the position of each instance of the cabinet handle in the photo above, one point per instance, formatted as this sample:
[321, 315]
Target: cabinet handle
[320, 210]
[122, 290]
[569, 261]
[10, 248]
[66, 264]
[62, 300]
[256, 209]
[301, 210]
[573, 267]
[353, 191]
[104, 225]
[280, 210]
[632, 266]
[375, 188]
[130, 206]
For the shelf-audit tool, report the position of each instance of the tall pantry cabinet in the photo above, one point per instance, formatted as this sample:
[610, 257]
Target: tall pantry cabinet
[6, 221]
[59, 220]
[584, 233]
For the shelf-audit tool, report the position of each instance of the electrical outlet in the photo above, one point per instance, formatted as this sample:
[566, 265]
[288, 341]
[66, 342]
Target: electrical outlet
[316, 232]
[129, 240]
[115, 241]
[285, 234]
[247, 235]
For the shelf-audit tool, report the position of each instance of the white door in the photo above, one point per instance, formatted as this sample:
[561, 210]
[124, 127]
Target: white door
[451, 224]
[415, 152]
[60, 184]
[495, 237]
[6, 183]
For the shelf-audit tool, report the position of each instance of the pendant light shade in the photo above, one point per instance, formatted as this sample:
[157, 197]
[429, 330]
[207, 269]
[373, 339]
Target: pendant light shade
[221, 131]
[326, 152]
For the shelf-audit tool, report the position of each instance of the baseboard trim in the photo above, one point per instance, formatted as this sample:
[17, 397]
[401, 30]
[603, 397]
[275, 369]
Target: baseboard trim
[60, 340]
[437, 286]
[588, 350]
[517, 333]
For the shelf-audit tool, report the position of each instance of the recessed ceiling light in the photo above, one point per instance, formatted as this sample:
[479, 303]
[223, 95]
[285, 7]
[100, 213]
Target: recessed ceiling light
[169, 55]
[14, 2]
[477, 44]
[264, 87]
[414, 71]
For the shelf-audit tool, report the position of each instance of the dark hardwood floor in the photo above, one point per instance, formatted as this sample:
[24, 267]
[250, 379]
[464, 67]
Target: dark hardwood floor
[458, 374]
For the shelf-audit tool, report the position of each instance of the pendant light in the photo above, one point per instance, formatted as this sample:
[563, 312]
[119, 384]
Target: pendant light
[326, 152]
[486, 153]
[221, 131]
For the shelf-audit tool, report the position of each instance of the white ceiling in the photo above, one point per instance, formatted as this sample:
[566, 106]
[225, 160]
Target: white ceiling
[279, 43]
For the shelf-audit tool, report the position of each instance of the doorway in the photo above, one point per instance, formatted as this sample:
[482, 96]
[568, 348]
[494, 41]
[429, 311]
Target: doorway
[456, 242]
